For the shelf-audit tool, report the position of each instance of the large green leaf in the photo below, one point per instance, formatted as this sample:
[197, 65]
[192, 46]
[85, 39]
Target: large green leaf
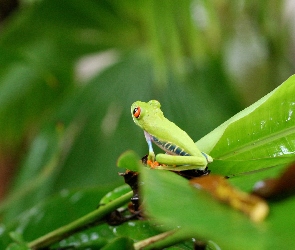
[263, 134]
[170, 200]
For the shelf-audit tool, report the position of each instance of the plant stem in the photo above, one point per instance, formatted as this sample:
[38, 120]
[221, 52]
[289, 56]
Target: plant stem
[73, 227]
[164, 240]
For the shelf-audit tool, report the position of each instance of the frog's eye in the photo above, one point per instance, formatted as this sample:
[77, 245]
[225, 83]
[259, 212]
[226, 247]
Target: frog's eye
[136, 112]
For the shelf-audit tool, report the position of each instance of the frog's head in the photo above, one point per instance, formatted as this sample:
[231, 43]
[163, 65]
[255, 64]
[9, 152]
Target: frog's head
[144, 113]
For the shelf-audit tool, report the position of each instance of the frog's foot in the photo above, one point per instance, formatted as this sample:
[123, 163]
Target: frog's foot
[208, 158]
[153, 164]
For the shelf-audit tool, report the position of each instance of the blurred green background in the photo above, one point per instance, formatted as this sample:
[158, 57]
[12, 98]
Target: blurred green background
[70, 70]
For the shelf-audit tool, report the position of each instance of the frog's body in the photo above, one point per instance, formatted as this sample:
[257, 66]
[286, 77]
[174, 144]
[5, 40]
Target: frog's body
[180, 148]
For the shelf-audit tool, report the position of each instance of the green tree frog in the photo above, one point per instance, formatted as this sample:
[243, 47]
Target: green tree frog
[181, 151]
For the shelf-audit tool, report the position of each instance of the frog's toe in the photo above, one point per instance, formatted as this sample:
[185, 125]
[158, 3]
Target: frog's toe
[153, 164]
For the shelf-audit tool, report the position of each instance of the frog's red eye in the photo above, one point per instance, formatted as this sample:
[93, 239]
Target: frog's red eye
[136, 112]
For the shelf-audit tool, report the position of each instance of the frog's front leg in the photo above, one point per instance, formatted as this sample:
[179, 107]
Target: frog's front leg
[151, 156]
[183, 162]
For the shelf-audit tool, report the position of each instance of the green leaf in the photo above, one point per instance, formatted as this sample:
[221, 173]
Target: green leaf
[137, 230]
[237, 167]
[265, 130]
[129, 160]
[117, 192]
[170, 200]
[262, 130]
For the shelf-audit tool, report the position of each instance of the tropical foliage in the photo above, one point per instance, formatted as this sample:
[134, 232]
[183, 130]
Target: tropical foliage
[69, 73]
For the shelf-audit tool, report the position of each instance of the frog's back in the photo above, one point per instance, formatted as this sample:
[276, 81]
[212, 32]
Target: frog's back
[168, 132]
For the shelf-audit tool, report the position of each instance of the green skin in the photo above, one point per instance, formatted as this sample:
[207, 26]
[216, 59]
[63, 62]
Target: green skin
[153, 122]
